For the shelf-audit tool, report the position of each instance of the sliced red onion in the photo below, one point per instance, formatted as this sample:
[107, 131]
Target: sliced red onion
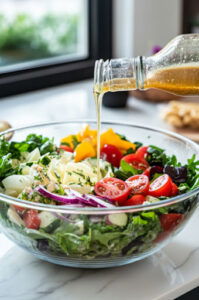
[75, 198]
[63, 218]
[63, 199]
[92, 199]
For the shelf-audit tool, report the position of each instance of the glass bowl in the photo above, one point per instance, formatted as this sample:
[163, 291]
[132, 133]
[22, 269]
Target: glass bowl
[85, 237]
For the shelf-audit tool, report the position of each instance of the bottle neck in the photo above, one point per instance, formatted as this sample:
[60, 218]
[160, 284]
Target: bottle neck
[119, 74]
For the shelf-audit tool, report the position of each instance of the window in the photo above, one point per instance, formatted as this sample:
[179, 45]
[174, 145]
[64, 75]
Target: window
[50, 42]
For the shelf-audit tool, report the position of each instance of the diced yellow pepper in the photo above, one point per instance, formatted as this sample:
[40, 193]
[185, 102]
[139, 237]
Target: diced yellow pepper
[69, 140]
[87, 133]
[84, 150]
[110, 137]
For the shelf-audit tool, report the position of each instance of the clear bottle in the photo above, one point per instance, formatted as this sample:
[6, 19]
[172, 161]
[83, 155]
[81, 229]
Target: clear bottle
[174, 69]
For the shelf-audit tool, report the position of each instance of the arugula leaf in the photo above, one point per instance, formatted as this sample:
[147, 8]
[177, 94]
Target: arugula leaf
[127, 168]
[192, 173]
[157, 156]
[123, 137]
[31, 142]
[6, 167]
[75, 141]
[138, 145]
[129, 151]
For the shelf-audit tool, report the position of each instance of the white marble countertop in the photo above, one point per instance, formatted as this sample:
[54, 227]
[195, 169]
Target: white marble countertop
[166, 275]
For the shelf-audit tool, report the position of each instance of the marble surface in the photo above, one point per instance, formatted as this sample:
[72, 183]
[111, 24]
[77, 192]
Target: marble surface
[165, 275]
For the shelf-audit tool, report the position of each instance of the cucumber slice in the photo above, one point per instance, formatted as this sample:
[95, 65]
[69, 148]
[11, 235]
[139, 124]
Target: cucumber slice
[48, 221]
[80, 226]
[118, 219]
[14, 217]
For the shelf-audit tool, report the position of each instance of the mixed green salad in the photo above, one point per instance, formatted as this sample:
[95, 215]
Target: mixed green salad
[40, 171]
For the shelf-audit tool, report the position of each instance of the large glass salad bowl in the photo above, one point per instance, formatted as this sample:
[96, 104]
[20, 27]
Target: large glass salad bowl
[99, 237]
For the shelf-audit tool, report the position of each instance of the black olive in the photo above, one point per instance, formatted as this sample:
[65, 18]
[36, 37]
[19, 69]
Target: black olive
[178, 174]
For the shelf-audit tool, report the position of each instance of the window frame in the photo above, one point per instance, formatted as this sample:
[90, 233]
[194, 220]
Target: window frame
[44, 76]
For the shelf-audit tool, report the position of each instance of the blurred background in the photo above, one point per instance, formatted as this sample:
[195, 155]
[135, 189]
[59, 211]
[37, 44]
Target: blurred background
[51, 42]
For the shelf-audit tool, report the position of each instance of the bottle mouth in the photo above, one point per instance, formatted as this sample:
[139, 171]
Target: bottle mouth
[97, 75]
[101, 75]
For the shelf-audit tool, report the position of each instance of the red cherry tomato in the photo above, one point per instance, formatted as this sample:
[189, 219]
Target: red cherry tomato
[66, 148]
[113, 189]
[170, 221]
[141, 152]
[32, 219]
[147, 172]
[139, 184]
[111, 154]
[161, 236]
[174, 189]
[135, 200]
[136, 162]
[161, 186]
[19, 209]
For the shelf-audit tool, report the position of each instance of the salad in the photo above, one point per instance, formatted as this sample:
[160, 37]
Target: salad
[40, 171]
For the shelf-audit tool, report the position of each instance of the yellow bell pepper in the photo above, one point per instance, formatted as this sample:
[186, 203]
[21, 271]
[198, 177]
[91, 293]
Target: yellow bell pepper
[69, 140]
[84, 150]
[110, 137]
[87, 133]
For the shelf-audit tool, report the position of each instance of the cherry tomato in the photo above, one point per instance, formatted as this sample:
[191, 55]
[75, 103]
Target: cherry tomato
[32, 219]
[170, 221]
[139, 184]
[111, 154]
[147, 172]
[161, 236]
[113, 189]
[135, 200]
[66, 148]
[161, 186]
[174, 189]
[19, 209]
[136, 162]
[141, 152]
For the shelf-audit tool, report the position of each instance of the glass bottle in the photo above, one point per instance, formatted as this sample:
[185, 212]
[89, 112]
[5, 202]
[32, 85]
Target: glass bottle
[174, 69]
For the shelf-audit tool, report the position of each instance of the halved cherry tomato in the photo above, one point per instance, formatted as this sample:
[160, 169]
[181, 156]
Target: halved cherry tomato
[174, 189]
[19, 209]
[31, 219]
[161, 236]
[112, 188]
[139, 184]
[141, 152]
[170, 221]
[147, 172]
[135, 200]
[136, 162]
[66, 148]
[161, 186]
[111, 154]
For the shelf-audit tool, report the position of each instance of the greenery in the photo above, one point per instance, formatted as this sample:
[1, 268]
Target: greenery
[24, 37]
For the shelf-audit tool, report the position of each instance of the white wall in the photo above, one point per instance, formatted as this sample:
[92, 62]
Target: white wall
[141, 24]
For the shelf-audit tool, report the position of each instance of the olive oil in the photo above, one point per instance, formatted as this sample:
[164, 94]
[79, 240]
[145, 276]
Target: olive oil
[98, 104]
[180, 80]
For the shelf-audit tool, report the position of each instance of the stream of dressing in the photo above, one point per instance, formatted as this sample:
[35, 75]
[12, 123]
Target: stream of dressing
[98, 103]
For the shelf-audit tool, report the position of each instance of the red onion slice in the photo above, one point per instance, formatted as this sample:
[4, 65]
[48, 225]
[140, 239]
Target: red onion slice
[75, 198]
